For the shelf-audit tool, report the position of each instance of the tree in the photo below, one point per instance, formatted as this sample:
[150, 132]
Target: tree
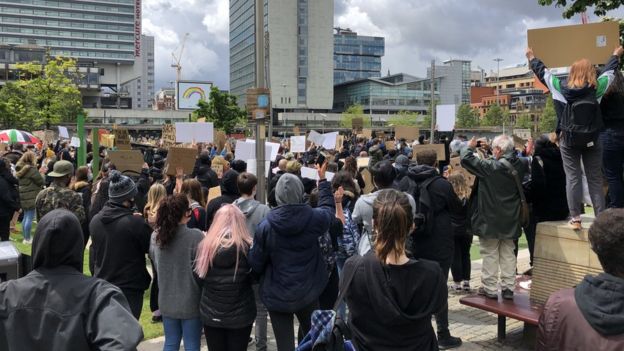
[222, 110]
[495, 116]
[524, 121]
[548, 120]
[466, 117]
[13, 107]
[404, 118]
[52, 95]
[354, 111]
[579, 6]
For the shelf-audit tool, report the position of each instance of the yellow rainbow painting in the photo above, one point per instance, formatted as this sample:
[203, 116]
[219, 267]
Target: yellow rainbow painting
[194, 90]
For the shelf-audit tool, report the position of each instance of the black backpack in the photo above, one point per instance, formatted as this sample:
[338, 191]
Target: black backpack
[581, 122]
[423, 219]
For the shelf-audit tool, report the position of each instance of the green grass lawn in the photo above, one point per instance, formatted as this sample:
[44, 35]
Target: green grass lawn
[150, 330]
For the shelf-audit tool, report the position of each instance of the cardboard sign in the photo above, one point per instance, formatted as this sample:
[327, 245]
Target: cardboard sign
[329, 140]
[252, 167]
[194, 132]
[367, 133]
[298, 143]
[180, 157]
[214, 193]
[63, 133]
[339, 142]
[296, 131]
[408, 132]
[440, 150]
[315, 137]
[561, 46]
[363, 162]
[368, 181]
[3, 147]
[357, 123]
[168, 135]
[46, 136]
[456, 167]
[127, 160]
[312, 173]
[390, 145]
[522, 133]
[122, 139]
[107, 140]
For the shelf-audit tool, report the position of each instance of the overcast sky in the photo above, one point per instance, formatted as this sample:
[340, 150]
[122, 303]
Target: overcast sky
[416, 31]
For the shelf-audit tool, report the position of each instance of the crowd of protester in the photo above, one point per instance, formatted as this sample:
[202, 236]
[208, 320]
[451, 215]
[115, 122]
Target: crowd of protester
[223, 264]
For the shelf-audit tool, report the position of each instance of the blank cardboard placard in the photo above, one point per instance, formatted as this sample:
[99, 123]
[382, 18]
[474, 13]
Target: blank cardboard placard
[368, 181]
[298, 143]
[367, 133]
[440, 150]
[312, 173]
[445, 118]
[357, 123]
[409, 133]
[315, 137]
[75, 142]
[180, 157]
[329, 140]
[214, 193]
[252, 167]
[63, 133]
[270, 152]
[194, 132]
[363, 162]
[561, 46]
[127, 160]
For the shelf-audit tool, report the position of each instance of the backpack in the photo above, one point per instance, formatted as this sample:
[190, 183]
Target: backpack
[581, 122]
[348, 241]
[423, 219]
[327, 251]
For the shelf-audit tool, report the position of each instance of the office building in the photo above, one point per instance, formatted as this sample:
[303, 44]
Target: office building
[455, 83]
[141, 88]
[103, 35]
[299, 55]
[164, 100]
[356, 56]
[387, 95]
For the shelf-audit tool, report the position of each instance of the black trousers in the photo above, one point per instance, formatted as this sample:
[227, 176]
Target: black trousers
[5, 227]
[330, 294]
[154, 290]
[135, 300]
[442, 316]
[283, 326]
[460, 269]
[221, 339]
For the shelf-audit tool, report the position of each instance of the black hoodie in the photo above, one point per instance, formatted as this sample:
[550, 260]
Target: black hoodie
[120, 242]
[56, 307]
[229, 194]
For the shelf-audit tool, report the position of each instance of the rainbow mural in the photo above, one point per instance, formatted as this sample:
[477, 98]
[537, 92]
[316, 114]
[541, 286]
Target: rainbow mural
[189, 92]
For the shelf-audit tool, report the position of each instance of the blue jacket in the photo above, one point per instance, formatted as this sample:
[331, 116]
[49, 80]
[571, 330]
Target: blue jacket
[286, 253]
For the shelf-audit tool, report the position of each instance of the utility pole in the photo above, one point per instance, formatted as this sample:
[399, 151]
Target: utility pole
[432, 100]
[498, 61]
[260, 83]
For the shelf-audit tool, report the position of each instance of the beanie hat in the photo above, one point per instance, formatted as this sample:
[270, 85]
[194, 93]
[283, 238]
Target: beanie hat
[289, 190]
[120, 187]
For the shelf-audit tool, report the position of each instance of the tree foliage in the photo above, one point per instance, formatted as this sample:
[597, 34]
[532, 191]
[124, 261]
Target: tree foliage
[548, 120]
[495, 116]
[354, 111]
[404, 118]
[467, 117]
[524, 121]
[572, 7]
[222, 110]
[43, 96]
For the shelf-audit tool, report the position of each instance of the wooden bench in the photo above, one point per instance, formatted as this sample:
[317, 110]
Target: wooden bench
[520, 308]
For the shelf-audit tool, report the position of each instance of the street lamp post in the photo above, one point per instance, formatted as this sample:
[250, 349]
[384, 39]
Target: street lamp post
[498, 61]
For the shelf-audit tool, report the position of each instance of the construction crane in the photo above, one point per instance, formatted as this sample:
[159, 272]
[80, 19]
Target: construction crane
[178, 58]
[584, 18]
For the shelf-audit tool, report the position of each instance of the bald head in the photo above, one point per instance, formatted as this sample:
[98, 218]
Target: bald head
[282, 164]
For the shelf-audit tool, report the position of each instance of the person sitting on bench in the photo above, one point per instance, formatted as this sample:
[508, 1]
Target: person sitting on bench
[591, 316]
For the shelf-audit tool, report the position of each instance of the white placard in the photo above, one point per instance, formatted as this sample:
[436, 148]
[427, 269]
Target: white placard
[194, 132]
[274, 150]
[270, 150]
[75, 142]
[298, 143]
[329, 140]
[315, 137]
[312, 173]
[63, 133]
[445, 118]
[252, 167]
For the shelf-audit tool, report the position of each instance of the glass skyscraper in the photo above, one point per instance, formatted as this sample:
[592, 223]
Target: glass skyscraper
[356, 57]
[242, 47]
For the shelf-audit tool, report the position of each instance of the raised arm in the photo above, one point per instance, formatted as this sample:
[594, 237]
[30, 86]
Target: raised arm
[545, 76]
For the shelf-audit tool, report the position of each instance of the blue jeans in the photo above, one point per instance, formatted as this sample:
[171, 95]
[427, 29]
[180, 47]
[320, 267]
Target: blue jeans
[612, 158]
[29, 215]
[176, 329]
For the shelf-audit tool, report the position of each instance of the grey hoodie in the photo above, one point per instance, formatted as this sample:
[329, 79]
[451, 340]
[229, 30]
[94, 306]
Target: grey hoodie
[254, 211]
[363, 212]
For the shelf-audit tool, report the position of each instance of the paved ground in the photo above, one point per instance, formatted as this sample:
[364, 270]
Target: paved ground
[477, 328]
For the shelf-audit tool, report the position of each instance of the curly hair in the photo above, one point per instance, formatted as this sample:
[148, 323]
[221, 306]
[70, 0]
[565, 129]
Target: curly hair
[170, 212]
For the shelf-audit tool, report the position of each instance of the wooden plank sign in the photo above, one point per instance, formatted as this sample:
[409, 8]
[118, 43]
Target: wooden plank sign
[168, 135]
[180, 157]
[127, 160]
[357, 123]
[408, 132]
[440, 150]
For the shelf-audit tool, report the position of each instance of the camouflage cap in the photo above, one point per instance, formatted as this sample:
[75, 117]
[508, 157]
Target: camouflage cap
[61, 169]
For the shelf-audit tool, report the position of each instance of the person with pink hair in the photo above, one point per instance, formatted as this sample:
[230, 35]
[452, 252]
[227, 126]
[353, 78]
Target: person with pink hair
[227, 306]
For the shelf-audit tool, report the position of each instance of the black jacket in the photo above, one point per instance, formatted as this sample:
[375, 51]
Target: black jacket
[229, 194]
[438, 243]
[206, 176]
[9, 195]
[612, 108]
[391, 306]
[547, 192]
[227, 299]
[55, 307]
[120, 242]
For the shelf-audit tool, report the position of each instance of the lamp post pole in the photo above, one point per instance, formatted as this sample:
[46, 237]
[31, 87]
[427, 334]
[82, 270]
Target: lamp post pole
[498, 61]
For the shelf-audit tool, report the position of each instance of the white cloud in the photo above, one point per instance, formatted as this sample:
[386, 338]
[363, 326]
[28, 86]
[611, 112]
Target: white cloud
[216, 20]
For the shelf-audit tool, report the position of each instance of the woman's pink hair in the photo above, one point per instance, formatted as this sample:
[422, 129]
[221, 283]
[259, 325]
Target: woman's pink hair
[228, 229]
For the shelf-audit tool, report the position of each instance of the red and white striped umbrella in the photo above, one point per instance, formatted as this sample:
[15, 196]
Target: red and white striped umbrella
[18, 136]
